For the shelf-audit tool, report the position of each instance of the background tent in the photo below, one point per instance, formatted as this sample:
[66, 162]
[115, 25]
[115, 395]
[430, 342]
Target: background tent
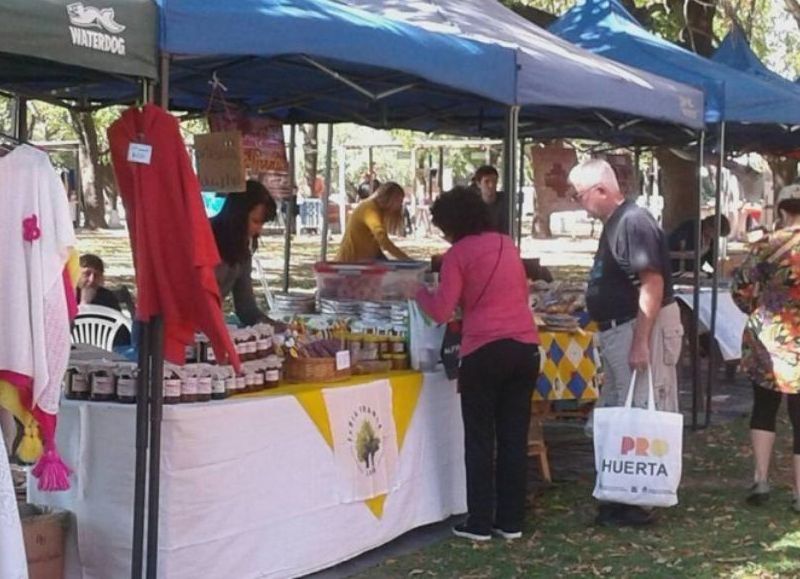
[606, 28]
[61, 49]
[562, 89]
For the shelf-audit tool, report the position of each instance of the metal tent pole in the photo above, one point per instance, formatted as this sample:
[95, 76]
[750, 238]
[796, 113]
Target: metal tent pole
[164, 78]
[509, 165]
[521, 197]
[156, 406]
[142, 419]
[342, 156]
[21, 118]
[326, 194]
[290, 208]
[712, 359]
[695, 334]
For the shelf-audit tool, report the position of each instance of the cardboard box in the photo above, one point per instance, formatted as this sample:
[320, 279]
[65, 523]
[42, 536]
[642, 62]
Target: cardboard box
[43, 530]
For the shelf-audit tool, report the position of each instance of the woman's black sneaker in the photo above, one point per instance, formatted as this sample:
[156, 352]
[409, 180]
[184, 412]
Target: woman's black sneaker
[466, 532]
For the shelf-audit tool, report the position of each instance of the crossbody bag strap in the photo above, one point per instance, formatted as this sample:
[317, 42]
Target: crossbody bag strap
[491, 276]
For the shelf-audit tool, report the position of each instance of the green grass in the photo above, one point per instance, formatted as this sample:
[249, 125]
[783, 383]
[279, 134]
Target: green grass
[712, 533]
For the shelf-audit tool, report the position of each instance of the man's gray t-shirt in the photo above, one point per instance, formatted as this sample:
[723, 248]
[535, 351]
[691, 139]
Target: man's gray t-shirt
[631, 242]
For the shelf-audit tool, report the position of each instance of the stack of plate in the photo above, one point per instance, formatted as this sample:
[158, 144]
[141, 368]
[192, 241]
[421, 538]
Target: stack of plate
[399, 313]
[376, 312]
[560, 322]
[293, 303]
[343, 308]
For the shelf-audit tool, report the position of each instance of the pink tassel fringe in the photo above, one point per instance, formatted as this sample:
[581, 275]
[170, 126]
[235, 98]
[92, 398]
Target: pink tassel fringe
[51, 471]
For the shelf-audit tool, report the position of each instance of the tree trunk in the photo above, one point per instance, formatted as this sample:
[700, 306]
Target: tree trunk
[679, 187]
[92, 176]
[310, 155]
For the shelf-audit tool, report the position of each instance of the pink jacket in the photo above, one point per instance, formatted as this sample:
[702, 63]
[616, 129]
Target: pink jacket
[502, 312]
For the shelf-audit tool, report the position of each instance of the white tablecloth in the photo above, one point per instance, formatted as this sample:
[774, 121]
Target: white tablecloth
[730, 321]
[248, 487]
[13, 563]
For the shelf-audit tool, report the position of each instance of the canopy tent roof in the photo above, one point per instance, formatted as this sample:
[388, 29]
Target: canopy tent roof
[67, 49]
[316, 60]
[734, 51]
[282, 58]
[559, 86]
[605, 27]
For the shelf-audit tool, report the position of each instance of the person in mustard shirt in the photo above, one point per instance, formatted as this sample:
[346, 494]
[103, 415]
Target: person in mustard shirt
[366, 236]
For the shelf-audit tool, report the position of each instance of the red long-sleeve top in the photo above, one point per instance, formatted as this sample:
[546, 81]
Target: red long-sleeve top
[174, 251]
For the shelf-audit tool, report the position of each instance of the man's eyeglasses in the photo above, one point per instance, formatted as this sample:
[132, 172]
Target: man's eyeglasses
[578, 195]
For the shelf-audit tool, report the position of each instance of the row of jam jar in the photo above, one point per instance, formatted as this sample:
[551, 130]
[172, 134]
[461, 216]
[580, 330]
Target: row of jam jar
[251, 343]
[179, 385]
[379, 342]
[104, 381]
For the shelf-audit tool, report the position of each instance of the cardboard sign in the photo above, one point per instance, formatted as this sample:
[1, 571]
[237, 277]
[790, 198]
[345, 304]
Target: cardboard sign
[551, 167]
[263, 149]
[220, 162]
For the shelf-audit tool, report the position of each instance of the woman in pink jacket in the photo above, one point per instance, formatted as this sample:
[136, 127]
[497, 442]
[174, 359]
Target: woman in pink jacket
[483, 274]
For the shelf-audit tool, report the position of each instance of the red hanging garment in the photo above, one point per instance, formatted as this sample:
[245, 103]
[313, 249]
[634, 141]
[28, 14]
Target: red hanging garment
[174, 252]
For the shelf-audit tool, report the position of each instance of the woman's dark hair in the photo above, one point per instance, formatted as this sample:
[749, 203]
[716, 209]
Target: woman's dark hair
[231, 223]
[459, 213]
[791, 206]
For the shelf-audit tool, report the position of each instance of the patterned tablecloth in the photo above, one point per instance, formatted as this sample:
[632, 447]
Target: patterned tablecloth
[569, 368]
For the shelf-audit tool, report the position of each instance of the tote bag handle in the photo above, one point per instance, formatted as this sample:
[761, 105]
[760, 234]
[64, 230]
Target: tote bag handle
[651, 397]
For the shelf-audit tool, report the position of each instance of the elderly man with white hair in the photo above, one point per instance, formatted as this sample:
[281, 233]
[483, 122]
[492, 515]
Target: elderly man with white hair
[630, 296]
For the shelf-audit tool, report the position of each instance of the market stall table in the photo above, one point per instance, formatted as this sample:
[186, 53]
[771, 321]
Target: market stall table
[730, 319]
[569, 367]
[250, 486]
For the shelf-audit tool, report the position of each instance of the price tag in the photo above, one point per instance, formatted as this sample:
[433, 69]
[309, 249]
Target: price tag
[140, 153]
[342, 360]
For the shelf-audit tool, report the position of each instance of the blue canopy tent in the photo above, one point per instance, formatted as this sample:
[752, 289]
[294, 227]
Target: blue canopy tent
[735, 52]
[751, 107]
[318, 61]
[562, 90]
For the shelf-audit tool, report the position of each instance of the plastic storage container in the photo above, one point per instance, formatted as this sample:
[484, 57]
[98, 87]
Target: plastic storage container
[349, 281]
[402, 279]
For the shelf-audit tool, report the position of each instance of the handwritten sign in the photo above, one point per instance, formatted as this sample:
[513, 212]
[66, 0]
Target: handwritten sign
[220, 162]
[263, 148]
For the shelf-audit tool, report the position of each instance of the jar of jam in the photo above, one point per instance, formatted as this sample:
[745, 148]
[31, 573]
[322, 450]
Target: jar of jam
[263, 346]
[189, 386]
[211, 357]
[205, 383]
[101, 383]
[172, 386]
[369, 348]
[218, 390]
[126, 383]
[258, 383]
[77, 382]
[355, 342]
[241, 384]
[230, 384]
[191, 352]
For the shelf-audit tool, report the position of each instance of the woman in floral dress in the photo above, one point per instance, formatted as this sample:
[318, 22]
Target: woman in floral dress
[767, 287]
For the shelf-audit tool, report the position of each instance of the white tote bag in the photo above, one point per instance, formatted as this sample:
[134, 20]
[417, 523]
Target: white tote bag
[638, 452]
[425, 339]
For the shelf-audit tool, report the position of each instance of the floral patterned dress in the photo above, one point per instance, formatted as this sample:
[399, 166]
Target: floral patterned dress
[768, 290]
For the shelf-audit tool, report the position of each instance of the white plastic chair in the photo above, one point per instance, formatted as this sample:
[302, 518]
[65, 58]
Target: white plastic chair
[98, 326]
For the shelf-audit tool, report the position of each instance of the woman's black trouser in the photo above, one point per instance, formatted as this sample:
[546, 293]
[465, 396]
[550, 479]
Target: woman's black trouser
[496, 383]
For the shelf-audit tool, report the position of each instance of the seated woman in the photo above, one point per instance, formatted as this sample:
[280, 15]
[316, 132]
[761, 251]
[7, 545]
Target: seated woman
[236, 229]
[366, 236]
[483, 273]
